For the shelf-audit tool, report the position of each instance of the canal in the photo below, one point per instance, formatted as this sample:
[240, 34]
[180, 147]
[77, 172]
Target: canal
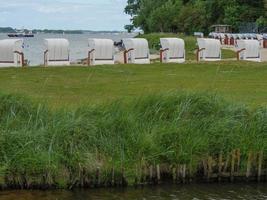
[163, 192]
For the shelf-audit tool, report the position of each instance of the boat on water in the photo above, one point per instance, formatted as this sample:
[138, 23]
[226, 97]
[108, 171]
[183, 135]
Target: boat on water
[20, 34]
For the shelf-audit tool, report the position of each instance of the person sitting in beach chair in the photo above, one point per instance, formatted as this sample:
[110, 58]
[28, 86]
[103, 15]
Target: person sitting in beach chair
[208, 49]
[172, 51]
[136, 51]
[11, 53]
[57, 52]
[101, 52]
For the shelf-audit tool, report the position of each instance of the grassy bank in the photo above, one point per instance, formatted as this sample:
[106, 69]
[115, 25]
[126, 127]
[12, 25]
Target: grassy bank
[76, 86]
[128, 124]
[125, 143]
[190, 45]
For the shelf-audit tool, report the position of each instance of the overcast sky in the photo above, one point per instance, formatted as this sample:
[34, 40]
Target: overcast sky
[64, 14]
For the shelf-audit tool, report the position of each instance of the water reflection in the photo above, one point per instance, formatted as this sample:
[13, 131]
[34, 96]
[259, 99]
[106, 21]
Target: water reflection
[166, 192]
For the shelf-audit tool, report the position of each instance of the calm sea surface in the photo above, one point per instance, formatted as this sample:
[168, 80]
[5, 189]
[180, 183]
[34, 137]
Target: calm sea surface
[187, 192]
[34, 47]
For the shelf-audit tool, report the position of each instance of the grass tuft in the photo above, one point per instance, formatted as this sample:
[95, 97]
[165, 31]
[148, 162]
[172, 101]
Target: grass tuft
[69, 148]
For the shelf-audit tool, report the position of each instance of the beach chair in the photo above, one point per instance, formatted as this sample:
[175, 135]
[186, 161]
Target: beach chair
[208, 49]
[136, 51]
[232, 39]
[260, 39]
[216, 36]
[101, 52]
[222, 37]
[11, 53]
[56, 52]
[248, 50]
[264, 38]
[211, 35]
[173, 50]
[242, 36]
[247, 36]
[253, 36]
[199, 34]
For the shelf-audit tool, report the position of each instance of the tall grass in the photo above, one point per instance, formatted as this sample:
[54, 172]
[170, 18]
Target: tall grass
[113, 143]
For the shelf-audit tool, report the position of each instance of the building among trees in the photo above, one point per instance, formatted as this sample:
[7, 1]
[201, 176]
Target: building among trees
[220, 28]
[189, 16]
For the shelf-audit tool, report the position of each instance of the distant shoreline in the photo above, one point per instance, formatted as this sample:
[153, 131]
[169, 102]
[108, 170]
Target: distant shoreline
[59, 31]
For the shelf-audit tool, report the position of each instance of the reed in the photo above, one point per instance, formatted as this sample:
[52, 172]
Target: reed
[180, 137]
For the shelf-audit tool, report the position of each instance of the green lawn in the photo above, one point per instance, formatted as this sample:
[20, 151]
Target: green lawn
[74, 86]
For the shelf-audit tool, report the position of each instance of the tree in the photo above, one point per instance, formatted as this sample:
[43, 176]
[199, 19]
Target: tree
[193, 15]
[192, 18]
[163, 18]
[129, 28]
[262, 20]
[232, 14]
[132, 7]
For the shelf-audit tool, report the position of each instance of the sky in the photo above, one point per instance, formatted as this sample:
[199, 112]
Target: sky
[64, 14]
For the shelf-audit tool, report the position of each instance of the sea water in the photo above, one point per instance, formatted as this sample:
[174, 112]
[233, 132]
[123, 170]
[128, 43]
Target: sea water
[163, 192]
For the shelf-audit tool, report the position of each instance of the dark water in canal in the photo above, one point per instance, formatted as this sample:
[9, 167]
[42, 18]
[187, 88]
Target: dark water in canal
[194, 192]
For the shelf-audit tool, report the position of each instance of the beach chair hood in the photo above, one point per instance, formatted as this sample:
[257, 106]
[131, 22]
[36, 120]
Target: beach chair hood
[58, 51]
[251, 50]
[103, 51]
[140, 53]
[212, 49]
[7, 49]
[176, 49]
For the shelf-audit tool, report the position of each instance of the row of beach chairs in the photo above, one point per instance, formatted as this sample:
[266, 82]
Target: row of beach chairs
[231, 38]
[136, 51]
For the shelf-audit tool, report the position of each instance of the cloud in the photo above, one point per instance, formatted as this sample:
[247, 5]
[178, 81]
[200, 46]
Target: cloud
[56, 9]
[42, 6]
[93, 14]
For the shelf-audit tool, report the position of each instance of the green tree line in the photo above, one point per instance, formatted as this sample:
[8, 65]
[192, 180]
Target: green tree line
[188, 16]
